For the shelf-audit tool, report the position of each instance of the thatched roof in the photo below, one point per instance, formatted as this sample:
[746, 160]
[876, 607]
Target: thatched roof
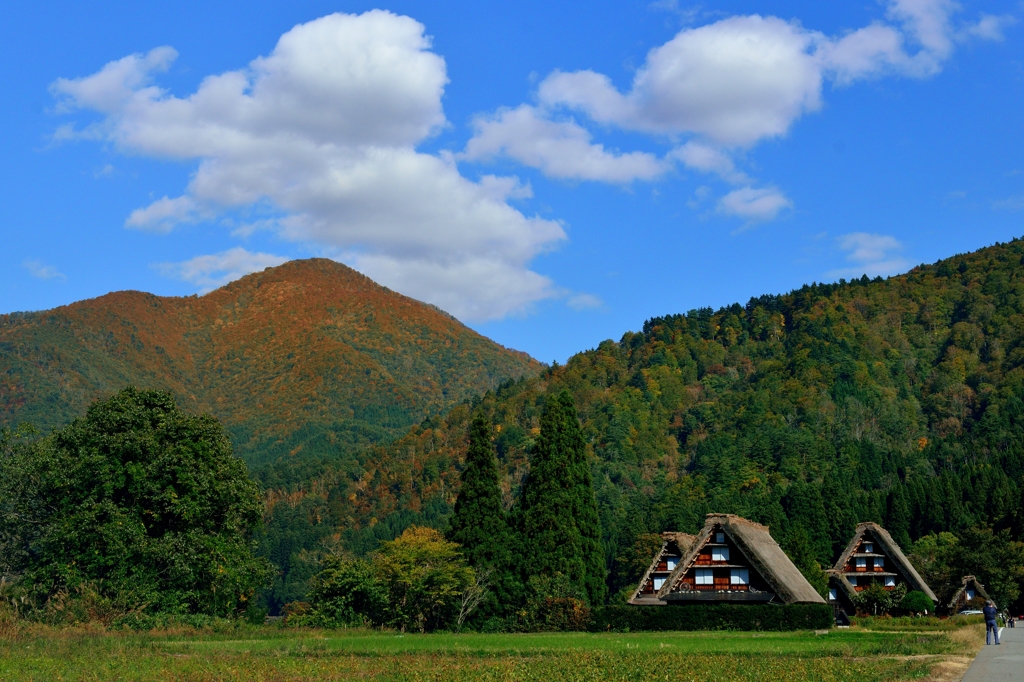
[760, 549]
[891, 549]
[672, 544]
[967, 580]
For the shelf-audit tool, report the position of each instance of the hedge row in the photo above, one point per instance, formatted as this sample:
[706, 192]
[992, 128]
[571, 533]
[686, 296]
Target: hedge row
[712, 617]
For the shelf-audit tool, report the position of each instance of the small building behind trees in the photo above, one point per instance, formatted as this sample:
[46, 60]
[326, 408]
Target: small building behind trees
[673, 547]
[970, 595]
[871, 558]
[732, 560]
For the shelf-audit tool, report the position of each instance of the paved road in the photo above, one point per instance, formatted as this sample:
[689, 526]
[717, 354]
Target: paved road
[1005, 662]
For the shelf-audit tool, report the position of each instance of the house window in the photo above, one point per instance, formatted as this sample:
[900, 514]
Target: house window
[671, 563]
[970, 594]
[658, 582]
[719, 537]
[890, 581]
[832, 594]
[739, 576]
[705, 576]
[879, 562]
[869, 547]
[720, 554]
[853, 580]
[862, 562]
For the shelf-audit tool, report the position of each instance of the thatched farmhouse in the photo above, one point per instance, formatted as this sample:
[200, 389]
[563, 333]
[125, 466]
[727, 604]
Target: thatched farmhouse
[673, 547]
[971, 595]
[872, 557]
[731, 560]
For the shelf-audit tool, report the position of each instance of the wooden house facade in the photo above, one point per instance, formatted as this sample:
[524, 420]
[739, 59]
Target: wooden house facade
[871, 557]
[971, 595]
[673, 547]
[732, 560]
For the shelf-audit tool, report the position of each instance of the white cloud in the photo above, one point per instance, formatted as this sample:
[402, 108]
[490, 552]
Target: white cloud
[561, 149]
[989, 27]
[584, 302]
[754, 203]
[39, 270]
[725, 86]
[164, 214]
[324, 130]
[708, 159]
[215, 270]
[872, 255]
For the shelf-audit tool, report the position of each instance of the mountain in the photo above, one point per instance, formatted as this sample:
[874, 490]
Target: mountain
[899, 401]
[309, 358]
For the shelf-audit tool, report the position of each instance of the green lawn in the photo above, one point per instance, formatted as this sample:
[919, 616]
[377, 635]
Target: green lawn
[270, 653]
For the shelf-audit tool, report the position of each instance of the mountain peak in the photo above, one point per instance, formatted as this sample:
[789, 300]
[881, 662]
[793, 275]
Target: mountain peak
[308, 355]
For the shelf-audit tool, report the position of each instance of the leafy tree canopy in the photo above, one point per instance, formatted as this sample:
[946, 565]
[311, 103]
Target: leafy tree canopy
[139, 501]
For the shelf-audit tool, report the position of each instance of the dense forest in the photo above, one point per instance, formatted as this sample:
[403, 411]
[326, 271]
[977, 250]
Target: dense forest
[899, 401]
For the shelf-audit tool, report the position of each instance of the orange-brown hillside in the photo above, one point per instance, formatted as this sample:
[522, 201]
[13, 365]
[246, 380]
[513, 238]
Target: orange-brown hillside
[310, 355]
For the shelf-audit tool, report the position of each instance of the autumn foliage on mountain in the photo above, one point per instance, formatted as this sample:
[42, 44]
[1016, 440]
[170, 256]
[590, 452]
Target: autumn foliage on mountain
[300, 361]
[898, 401]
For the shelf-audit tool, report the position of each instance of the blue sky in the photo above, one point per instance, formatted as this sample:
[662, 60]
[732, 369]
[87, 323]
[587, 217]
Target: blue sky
[551, 173]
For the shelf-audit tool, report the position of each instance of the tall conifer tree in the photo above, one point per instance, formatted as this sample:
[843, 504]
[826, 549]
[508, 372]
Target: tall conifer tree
[478, 523]
[561, 529]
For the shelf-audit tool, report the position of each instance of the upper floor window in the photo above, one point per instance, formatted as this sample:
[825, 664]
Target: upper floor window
[704, 576]
[658, 582]
[719, 553]
[739, 576]
[890, 581]
[832, 594]
[869, 547]
[719, 537]
[879, 562]
[671, 563]
[862, 562]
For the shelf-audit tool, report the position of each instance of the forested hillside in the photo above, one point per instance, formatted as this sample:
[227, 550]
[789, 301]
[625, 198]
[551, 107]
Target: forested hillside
[305, 360]
[898, 401]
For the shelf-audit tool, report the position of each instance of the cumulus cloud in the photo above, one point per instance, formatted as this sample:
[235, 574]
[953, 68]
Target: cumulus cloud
[561, 149]
[324, 130]
[723, 86]
[754, 204]
[215, 270]
[40, 271]
[871, 254]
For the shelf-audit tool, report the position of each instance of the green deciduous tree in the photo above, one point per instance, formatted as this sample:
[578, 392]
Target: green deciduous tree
[561, 533]
[138, 501]
[423, 576]
[345, 593]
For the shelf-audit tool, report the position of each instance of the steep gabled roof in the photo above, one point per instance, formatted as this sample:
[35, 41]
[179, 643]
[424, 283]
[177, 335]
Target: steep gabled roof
[672, 543]
[891, 549]
[760, 549]
[978, 588]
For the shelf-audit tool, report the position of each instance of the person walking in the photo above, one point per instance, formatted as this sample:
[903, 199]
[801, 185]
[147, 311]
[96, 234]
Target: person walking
[991, 627]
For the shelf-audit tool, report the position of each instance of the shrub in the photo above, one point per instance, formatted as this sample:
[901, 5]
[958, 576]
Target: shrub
[712, 617]
[917, 602]
[876, 600]
[417, 581]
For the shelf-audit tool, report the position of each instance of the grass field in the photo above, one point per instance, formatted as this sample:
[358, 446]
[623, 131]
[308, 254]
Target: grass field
[271, 653]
